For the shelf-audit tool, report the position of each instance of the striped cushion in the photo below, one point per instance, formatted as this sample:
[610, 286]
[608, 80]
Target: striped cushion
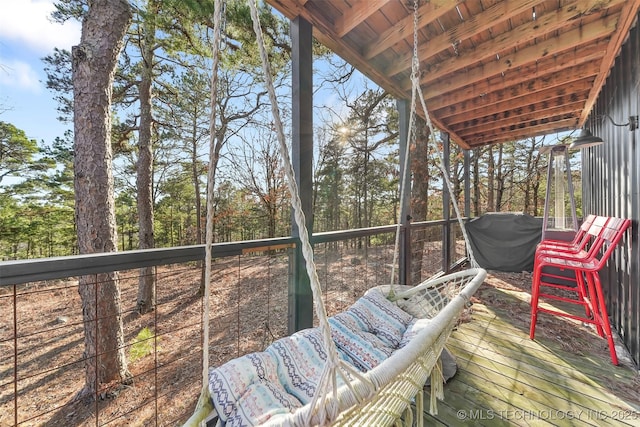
[246, 391]
[365, 349]
[381, 317]
[300, 359]
[370, 330]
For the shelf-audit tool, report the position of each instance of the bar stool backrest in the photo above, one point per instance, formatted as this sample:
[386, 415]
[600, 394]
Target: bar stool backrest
[592, 237]
[610, 236]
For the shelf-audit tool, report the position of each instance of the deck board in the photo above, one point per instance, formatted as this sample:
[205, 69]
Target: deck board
[506, 379]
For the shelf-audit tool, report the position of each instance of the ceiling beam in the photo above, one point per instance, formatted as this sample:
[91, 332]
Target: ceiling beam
[551, 21]
[358, 13]
[495, 14]
[572, 110]
[545, 127]
[473, 109]
[566, 50]
[427, 13]
[542, 70]
[453, 136]
[526, 88]
[464, 120]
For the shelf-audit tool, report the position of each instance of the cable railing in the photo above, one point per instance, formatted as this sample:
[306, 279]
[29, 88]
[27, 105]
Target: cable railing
[42, 328]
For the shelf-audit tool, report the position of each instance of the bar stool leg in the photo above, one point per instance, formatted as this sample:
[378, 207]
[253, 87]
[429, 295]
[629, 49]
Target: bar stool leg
[593, 300]
[583, 294]
[535, 294]
[603, 316]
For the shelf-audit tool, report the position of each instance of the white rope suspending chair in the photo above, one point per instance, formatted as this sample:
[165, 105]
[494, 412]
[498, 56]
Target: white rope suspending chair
[319, 376]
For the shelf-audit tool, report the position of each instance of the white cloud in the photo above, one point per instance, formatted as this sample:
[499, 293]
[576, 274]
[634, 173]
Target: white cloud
[28, 23]
[18, 74]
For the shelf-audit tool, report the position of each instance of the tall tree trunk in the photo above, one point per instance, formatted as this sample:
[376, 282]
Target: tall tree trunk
[490, 180]
[213, 163]
[476, 182]
[455, 178]
[365, 175]
[195, 178]
[94, 64]
[144, 168]
[530, 173]
[536, 184]
[419, 197]
[499, 173]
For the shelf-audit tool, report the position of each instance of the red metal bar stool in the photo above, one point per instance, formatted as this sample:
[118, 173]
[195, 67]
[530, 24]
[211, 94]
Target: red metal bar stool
[587, 248]
[587, 285]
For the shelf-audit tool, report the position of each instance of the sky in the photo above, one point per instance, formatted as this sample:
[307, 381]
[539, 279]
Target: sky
[27, 34]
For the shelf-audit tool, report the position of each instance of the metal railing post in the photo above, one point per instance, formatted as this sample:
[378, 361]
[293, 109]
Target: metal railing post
[300, 296]
[446, 206]
[404, 258]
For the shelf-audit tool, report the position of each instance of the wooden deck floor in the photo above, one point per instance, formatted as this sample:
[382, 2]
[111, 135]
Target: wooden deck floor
[504, 378]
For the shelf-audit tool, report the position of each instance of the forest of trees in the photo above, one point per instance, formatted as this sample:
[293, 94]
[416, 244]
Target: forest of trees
[160, 133]
[37, 213]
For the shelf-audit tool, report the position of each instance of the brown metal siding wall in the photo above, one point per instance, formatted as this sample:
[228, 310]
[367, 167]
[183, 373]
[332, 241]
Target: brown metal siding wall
[611, 186]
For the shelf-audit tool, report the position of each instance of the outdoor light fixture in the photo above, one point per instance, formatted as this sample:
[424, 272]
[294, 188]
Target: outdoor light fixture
[585, 139]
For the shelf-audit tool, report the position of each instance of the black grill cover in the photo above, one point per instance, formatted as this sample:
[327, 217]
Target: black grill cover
[505, 241]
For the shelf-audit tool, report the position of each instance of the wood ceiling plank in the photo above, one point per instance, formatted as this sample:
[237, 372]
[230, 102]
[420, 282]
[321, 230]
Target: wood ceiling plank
[551, 126]
[524, 33]
[627, 18]
[289, 8]
[469, 130]
[403, 29]
[569, 117]
[527, 88]
[471, 109]
[497, 13]
[525, 132]
[497, 113]
[541, 70]
[470, 9]
[360, 11]
[542, 53]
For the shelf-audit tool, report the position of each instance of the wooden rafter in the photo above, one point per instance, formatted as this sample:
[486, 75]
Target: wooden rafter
[427, 13]
[511, 86]
[535, 61]
[358, 13]
[497, 13]
[574, 100]
[478, 107]
[528, 32]
[529, 116]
